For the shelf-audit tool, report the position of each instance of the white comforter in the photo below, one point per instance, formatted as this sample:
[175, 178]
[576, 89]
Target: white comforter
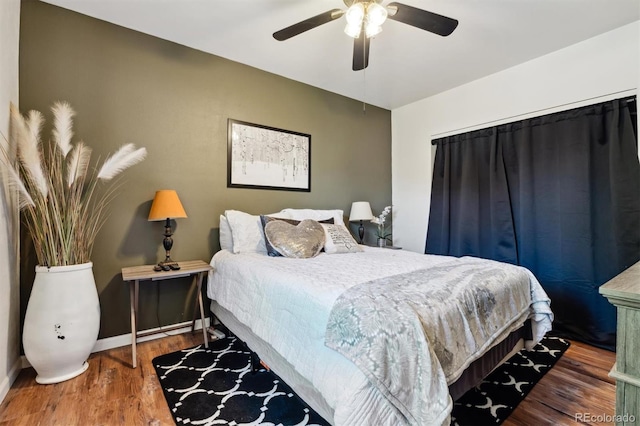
[287, 303]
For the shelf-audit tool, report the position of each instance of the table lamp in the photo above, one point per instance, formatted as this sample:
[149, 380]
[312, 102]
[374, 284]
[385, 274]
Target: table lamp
[166, 206]
[360, 210]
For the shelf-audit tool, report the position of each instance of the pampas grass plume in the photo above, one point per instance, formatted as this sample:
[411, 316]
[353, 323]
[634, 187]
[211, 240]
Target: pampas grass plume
[63, 126]
[78, 163]
[24, 199]
[29, 147]
[124, 158]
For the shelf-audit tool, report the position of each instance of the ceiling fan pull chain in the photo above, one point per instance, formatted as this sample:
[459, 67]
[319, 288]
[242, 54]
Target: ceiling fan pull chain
[364, 78]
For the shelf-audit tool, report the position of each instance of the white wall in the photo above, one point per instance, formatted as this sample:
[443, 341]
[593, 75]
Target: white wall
[9, 283]
[600, 66]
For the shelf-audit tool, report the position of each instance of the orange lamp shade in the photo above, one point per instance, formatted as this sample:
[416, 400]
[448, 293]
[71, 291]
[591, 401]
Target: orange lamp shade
[166, 204]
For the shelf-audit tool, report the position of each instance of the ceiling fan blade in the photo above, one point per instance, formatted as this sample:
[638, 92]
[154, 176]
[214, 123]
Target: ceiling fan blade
[361, 52]
[307, 24]
[422, 19]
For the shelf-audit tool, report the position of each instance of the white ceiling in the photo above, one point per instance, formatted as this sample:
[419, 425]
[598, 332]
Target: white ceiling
[406, 64]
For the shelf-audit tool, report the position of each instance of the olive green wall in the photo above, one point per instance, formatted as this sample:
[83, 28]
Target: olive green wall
[175, 101]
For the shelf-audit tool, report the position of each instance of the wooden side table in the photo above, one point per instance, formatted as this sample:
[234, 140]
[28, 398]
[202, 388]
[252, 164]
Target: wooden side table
[624, 292]
[135, 274]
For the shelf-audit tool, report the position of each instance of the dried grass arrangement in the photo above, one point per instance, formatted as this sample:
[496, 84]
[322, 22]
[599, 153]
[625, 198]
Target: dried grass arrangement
[58, 194]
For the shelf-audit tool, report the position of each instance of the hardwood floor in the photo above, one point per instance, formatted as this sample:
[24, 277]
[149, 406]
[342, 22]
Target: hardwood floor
[576, 386]
[112, 393]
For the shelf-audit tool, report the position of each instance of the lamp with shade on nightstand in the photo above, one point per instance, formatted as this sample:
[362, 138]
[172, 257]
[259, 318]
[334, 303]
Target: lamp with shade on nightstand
[360, 211]
[166, 206]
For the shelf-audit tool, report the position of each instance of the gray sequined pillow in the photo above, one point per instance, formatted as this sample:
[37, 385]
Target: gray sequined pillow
[301, 241]
[266, 219]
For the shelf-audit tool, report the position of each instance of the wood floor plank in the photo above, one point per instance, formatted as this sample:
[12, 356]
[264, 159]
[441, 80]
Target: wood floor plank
[111, 392]
[578, 383]
[534, 412]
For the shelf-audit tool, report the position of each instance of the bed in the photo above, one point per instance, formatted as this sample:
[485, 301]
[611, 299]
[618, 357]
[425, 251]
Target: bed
[292, 313]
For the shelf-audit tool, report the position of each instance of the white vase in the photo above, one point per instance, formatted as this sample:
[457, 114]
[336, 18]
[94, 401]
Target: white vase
[62, 322]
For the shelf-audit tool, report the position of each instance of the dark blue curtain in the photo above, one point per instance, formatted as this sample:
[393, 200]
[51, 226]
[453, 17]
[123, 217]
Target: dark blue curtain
[558, 194]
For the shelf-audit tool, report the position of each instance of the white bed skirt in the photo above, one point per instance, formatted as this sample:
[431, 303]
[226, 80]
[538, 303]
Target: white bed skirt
[276, 362]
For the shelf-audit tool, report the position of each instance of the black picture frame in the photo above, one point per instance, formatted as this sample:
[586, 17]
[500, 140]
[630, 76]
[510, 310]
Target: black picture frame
[263, 157]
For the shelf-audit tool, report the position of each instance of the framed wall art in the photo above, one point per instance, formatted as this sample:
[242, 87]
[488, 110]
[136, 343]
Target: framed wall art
[263, 157]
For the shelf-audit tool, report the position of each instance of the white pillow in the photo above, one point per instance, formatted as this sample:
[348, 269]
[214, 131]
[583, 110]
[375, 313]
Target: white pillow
[317, 215]
[246, 231]
[338, 239]
[226, 239]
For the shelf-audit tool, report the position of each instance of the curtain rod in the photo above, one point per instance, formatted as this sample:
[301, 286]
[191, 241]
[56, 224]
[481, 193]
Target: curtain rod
[614, 95]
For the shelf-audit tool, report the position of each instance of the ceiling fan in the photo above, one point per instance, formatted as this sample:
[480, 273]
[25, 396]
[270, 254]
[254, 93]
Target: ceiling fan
[365, 19]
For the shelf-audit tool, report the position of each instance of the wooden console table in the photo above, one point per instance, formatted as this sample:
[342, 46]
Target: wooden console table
[135, 274]
[623, 291]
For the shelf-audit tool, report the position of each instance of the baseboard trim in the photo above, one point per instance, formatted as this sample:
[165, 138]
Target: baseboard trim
[125, 339]
[12, 375]
[158, 333]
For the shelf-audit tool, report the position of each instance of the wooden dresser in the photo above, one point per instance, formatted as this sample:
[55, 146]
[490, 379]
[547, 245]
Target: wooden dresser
[624, 292]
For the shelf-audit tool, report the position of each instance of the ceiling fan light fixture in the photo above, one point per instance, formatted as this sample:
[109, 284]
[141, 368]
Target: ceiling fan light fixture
[355, 14]
[376, 14]
[372, 30]
[353, 30]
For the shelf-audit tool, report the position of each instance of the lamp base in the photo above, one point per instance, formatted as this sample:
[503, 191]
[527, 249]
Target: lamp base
[361, 233]
[167, 264]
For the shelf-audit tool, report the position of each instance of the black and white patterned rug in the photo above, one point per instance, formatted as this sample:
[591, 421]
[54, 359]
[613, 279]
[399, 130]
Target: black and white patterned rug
[499, 394]
[226, 385]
